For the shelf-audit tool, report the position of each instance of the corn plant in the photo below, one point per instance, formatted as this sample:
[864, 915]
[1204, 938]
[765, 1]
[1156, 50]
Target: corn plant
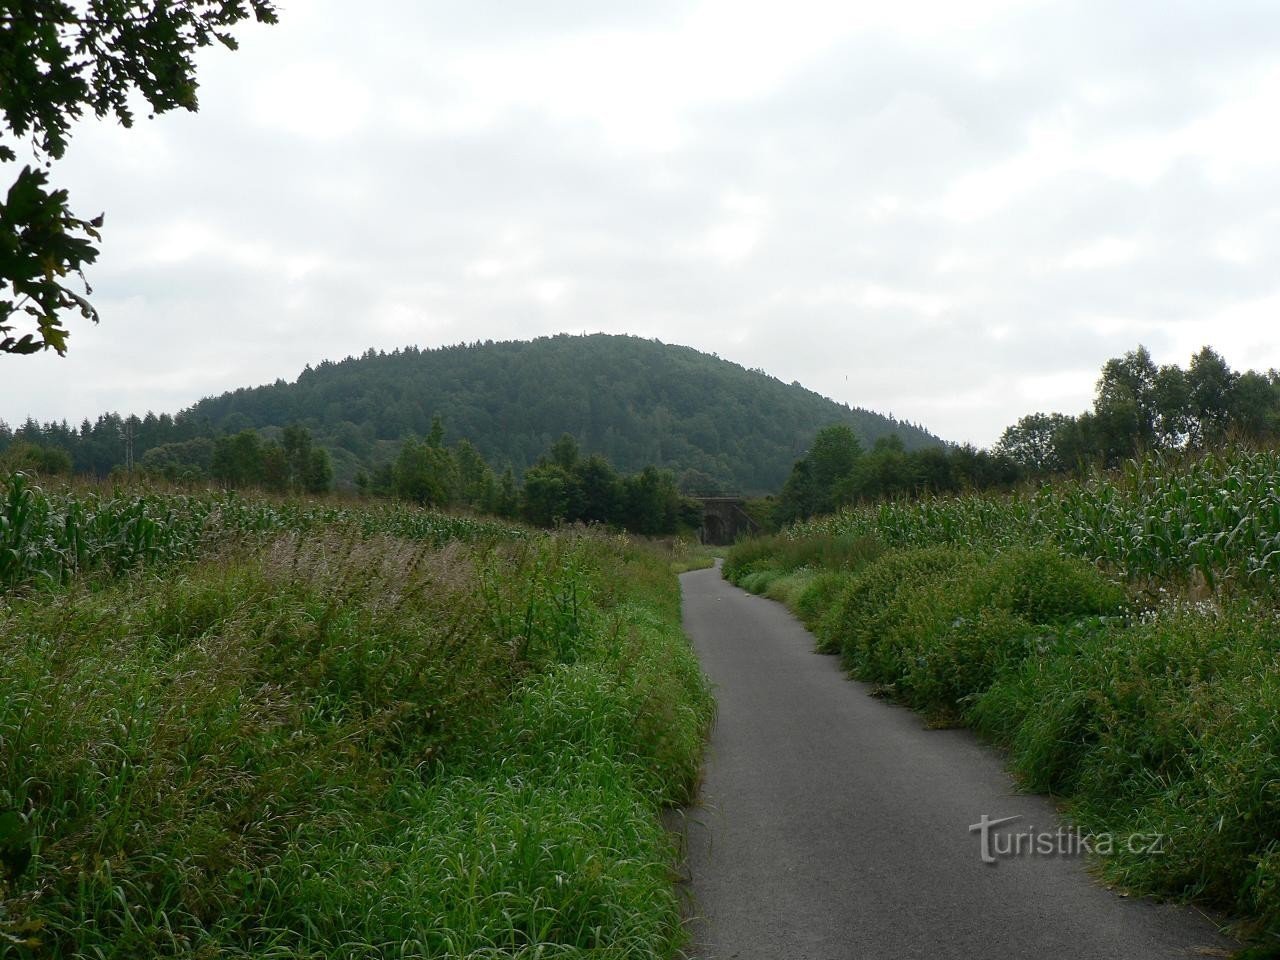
[48, 538]
[1160, 518]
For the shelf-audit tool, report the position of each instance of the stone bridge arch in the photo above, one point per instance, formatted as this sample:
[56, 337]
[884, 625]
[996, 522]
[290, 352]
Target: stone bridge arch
[724, 520]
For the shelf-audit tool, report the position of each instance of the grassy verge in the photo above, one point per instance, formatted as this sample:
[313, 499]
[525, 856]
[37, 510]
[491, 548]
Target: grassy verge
[689, 555]
[330, 741]
[1148, 705]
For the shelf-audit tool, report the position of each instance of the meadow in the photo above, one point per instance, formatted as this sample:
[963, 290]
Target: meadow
[237, 727]
[1117, 635]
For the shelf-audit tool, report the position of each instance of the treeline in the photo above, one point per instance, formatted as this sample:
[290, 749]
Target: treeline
[563, 486]
[97, 447]
[181, 450]
[1140, 407]
[291, 464]
[836, 471]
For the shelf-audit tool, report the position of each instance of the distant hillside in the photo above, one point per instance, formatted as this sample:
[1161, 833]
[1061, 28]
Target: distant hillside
[635, 401]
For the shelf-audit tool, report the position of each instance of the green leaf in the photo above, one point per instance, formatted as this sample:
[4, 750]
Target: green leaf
[16, 836]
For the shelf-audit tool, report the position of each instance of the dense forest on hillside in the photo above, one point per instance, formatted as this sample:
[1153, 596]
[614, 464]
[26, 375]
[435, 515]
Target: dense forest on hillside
[718, 426]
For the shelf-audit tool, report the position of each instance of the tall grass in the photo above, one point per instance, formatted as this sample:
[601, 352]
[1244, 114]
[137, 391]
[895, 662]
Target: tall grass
[329, 741]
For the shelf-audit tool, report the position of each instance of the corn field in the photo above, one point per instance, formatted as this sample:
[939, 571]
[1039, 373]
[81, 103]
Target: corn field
[48, 538]
[1163, 519]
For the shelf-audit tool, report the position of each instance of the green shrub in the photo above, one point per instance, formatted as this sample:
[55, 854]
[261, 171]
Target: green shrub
[820, 595]
[937, 625]
[757, 581]
[870, 604]
[918, 614]
[1045, 586]
[1167, 726]
[988, 617]
[744, 556]
[962, 655]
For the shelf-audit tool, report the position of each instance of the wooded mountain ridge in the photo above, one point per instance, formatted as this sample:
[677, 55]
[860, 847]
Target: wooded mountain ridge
[718, 426]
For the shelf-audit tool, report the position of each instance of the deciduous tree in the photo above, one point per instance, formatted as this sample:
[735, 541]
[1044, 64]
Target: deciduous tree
[58, 61]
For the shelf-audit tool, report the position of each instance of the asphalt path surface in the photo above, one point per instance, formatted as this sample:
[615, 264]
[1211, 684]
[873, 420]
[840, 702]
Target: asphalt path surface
[835, 825]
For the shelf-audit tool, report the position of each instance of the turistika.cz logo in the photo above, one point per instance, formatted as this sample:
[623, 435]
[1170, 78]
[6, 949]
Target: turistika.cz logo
[995, 845]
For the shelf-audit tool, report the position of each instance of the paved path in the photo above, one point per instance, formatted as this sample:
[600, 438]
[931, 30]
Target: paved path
[833, 825]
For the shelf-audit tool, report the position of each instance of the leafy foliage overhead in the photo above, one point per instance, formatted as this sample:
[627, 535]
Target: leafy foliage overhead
[59, 60]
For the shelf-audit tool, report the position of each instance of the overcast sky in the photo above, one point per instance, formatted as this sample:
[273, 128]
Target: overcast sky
[950, 211]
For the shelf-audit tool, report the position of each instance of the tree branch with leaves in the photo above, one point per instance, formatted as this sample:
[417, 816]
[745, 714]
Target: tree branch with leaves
[59, 60]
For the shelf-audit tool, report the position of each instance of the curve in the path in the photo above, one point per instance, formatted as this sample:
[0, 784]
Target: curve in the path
[834, 825]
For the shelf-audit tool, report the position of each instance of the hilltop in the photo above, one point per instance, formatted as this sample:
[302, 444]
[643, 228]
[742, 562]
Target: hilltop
[636, 401]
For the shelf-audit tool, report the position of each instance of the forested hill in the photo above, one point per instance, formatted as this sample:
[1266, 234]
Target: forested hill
[636, 401]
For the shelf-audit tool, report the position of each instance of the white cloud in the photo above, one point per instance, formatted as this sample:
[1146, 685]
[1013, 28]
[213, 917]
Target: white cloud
[1103, 252]
[322, 101]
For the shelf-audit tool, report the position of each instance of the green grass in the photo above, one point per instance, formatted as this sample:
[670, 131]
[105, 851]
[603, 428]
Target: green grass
[1118, 637]
[688, 555]
[798, 571]
[326, 732]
